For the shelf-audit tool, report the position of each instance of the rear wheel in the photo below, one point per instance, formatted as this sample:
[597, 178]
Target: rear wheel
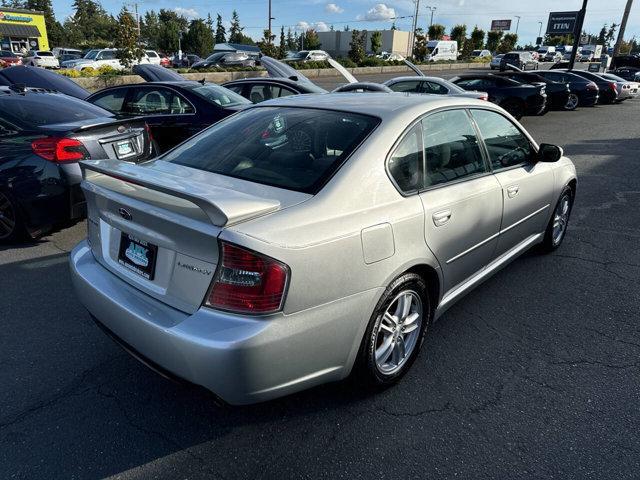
[572, 102]
[514, 107]
[11, 226]
[396, 331]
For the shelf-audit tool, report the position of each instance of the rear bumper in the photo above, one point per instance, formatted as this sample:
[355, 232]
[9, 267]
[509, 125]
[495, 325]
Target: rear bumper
[241, 359]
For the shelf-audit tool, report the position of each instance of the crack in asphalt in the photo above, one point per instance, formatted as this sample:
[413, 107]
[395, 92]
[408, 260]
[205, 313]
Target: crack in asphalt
[445, 408]
[612, 338]
[602, 264]
[595, 363]
[620, 199]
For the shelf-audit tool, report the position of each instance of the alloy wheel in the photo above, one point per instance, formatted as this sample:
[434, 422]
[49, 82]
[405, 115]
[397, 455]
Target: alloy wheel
[398, 332]
[572, 102]
[7, 217]
[561, 219]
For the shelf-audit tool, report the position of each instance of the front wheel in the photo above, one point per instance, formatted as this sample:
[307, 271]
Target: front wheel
[396, 331]
[11, 226]
[572, 102]
[557, 227]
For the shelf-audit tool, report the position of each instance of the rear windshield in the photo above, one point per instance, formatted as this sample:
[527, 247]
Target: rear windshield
[37, 109]
[219, 95]
[45, 54]
[293, 148]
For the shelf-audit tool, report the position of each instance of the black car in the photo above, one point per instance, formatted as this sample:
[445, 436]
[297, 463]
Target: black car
[521, 60]
[587, 91]
[559, 95]
[225, 59]
[608, 91]
[631, 74]
[174, 110]
[260, 89]
[186, 61]
[43, 136]
[516, 98]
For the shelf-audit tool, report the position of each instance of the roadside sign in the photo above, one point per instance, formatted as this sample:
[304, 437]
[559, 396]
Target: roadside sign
[500, 25]
[538, 40]
[562, 23]
[594, 67]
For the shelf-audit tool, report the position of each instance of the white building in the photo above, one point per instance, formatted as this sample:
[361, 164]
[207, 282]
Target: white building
[337, 43]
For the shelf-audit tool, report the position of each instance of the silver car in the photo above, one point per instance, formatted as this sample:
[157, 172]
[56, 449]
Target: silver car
[312, 237]
[431, 85]
[625, 88]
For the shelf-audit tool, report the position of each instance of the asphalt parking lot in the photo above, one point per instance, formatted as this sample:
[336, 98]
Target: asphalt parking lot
[535, 374]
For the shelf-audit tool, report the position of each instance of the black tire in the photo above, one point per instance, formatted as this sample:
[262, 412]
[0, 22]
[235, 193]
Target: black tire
[514, 107]
[572, 102]
[12, 227]
[366, 370]
[551, 242]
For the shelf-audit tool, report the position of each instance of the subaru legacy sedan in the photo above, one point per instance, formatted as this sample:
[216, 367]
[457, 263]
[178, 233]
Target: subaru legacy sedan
[310, 238]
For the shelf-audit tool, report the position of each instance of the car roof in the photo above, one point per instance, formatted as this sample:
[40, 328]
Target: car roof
[382, 105]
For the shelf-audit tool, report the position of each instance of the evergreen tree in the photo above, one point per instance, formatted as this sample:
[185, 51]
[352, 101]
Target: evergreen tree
[477, 39]
[55, 32]
[493, 40]
[311, 40]
[150, 29]
[602, 35]
[266, 44]
[508, 43]
[376, 42]
[459, 34]
[282, 49]
[198, 39]
[235, 31]
[221, 32]
[436, 31]
[420, 45]
[172, 27]
[292, 40]
[129, 51]
[357, 47]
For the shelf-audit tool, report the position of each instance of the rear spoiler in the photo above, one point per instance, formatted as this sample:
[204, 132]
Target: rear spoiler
[223, 206]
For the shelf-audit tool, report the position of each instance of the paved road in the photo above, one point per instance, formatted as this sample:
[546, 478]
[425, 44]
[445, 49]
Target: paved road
[533, 375]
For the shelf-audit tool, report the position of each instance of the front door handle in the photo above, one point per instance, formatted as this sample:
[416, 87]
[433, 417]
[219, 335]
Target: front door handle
[513, 190]
[442, 217]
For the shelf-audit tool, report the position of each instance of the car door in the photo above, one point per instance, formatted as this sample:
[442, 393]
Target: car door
[526, 184]
[462, 201]
[169, 115]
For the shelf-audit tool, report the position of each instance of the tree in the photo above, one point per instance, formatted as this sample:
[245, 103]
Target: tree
[235, 31]
[602, 35]
[292, 40]
[90, 25]
[459, 34]
[282, 49]
[311, 40]
[436, 31]
[376, 42]
[357, 47]
[150, 28]
[508, 43]
[129, 51]
[172, 27]
[55, 32]
[477, 39]
[420, 45]
[266, 44]
[198, 39]
[493, 40]
[221, 32]
[393, 26]
[611, 33]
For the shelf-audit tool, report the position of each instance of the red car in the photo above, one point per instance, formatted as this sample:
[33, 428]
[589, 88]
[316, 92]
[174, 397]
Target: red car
[165, 61]
[10, 58]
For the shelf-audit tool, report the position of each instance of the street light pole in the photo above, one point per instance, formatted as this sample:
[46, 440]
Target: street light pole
[432, 9]
[540, 29]
[576, 34]
[517, 23]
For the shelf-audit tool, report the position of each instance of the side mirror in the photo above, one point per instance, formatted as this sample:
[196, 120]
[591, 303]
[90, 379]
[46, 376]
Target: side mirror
[549, 153]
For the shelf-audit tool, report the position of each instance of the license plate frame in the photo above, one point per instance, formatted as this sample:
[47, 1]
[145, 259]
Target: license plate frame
[138, 256]
[124, 149]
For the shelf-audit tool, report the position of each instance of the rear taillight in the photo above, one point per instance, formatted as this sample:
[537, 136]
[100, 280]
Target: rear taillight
[485, 97]
[247, 282]
[613, 87]
[148, 130]
[60, 150]
[592, 86]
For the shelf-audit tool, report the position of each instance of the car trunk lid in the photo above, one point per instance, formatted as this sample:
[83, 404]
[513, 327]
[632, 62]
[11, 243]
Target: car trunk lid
[155, 225]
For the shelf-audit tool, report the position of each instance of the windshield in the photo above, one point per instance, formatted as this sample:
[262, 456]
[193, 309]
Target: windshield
[301, 54]
[214, 57]
[219, 95]
[45, 54]
[293, 148]
[37, 109]
[91, 54]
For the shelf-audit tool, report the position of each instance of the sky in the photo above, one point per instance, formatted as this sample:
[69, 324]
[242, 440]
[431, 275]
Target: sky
[364, 14]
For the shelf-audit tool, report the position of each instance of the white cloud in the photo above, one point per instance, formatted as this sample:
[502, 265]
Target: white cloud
[187, 12]
[379, 12]
[333, 8]
[303, 26]
[321, 27]
[317, 26]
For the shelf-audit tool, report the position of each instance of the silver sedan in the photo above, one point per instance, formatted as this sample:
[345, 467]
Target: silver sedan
[311, 238]
[433, 86]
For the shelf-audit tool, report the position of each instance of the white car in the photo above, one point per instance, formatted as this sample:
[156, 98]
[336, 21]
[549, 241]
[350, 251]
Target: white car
[98, 58]
[481, 54]
[152, 57]
[40, 58]
[59, 51]
[392, 57]
[495, 61]
[309, 56]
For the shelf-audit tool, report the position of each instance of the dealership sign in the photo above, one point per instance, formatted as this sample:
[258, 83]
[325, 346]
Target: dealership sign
[500, 25]
[14, 18]
[562, 23]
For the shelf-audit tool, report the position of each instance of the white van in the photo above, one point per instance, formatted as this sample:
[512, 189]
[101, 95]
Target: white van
[441, 50]
[543, 50]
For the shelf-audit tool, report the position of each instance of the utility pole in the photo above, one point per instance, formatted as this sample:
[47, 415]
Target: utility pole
[270, 18]
[577, 31]
[540, 29]
[137, 19]
[517, 23]
[623, 25]
[432, 9]
[412, 33]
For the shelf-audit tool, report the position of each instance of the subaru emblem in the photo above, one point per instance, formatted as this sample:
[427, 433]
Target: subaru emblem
[124, 213]
[121, 129]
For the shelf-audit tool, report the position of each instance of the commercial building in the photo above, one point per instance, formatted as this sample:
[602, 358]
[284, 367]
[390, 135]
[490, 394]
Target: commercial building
[337, 43]
[22, 30]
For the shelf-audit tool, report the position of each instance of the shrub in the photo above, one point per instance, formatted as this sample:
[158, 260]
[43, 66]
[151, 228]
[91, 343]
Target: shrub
[347, 62]
[70, 73]
[107, 70]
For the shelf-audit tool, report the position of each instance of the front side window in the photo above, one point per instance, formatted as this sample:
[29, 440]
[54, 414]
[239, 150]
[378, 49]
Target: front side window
[434, 88]
[412, 86]
[221, 96]
[157, 101]
[451, 147]
[293, 148]
[506, 144]
[262, 92]
[406, 164]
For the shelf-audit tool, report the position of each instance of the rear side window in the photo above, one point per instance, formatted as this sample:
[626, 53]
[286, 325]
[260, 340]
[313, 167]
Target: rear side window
[451, 147]
[262, 92]
[112, 101]
[221, 96]
[157, 101]
[406, 165]
[293, 148]
[410, 86]
[434, 88]
[33, 110]
[506, 144]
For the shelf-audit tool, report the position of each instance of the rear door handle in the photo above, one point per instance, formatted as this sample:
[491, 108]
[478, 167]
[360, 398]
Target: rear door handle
[442, 217]
[513, 190]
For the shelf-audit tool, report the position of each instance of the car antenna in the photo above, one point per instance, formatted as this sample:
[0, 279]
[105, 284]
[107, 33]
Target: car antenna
[18, 87]
[203, 81]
